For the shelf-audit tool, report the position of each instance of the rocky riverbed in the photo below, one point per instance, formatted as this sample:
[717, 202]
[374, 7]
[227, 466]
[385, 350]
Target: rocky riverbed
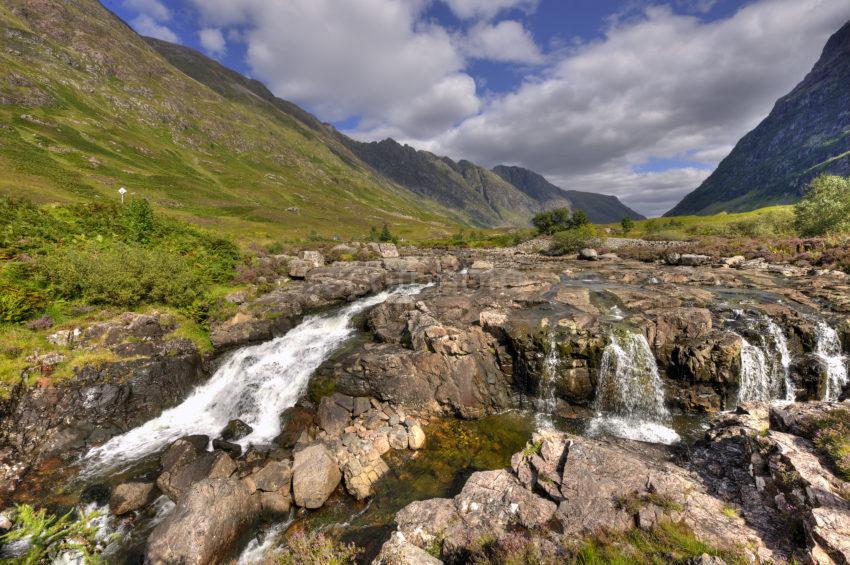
[326, 387]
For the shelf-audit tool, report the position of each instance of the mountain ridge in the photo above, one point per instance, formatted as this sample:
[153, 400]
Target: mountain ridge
[806, 133]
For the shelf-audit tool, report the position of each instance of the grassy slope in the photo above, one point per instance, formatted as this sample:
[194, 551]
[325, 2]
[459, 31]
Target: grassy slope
[88, 106]
[776, 219]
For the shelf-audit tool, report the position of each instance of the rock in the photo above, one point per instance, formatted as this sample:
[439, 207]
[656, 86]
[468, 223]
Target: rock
[609, 257]
[274, 476]
[480, 266]
[385, 250]
[361, 406]
[678, 325]
[293, 422]
[313, 258]
[398, 438]
[275, 503]
[493, 319]
[183, 451]
[209, 465]
[235, 430]
[416, 437]
[206, 522]
[344, 400]
[693, 260]
[234, 449]
[315, 475]
[734, 261]
[672, 258]
[398, 551]
[333, 418]
[588, 254]
[298, 268]
[128, 497]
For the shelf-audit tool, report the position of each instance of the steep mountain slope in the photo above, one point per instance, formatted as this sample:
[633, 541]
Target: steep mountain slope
[88, 106]
[601, 208]
[806, 134]
[486, 199]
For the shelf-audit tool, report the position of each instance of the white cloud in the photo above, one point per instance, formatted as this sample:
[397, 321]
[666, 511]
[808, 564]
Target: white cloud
[375, 59]
[213, 41]
[152, 8]
[486, 9]
[145, 25]
[506, 41]
[661, 86]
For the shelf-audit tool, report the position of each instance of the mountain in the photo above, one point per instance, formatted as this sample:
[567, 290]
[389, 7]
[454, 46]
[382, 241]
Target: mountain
[88, 106]
[601, 208]
[485, 198]
[806, 134]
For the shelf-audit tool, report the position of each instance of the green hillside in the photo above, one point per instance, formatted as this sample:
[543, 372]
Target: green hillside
[88, 106]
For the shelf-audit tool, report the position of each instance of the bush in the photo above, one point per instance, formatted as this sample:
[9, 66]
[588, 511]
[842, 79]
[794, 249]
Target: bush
[317, 549]
[627, 224]
[49, 535]
[573, 240]
[825, 208]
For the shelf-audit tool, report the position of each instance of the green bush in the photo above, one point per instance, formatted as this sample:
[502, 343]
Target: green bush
[573, 240]
[825, 209]
[19, 304]
[559, 219]
[50, 535]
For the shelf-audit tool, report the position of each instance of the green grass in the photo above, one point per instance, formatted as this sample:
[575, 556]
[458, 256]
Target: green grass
[231, 165]
[832, 437]
[773, 220]
[51, 535]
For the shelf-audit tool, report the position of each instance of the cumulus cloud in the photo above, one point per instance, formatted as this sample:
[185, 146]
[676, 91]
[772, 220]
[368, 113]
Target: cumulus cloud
[152, 8]
[662, 86]
[506, 41]
[375, 59]
[146, 25]
[213, 41]
[487, 9]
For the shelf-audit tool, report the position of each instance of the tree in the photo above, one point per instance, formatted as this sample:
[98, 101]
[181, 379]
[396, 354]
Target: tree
[551, 221]
[627, 224]
[139, 220]
[825, 208]
[386, 236]
[579, 219]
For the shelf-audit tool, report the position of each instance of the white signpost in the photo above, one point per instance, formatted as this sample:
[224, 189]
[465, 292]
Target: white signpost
[122, 191]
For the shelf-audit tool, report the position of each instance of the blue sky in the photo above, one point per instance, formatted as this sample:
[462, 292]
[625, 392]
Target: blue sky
[635, 98]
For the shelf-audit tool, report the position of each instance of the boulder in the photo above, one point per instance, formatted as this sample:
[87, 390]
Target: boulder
[678, 325]
[313, 258]
[588, 254]
[315, 475]
[361, 405]
[693, 260]
[294, 421]
[298, 268]
[128, 497]
[274, 476]
[183, 451]
[235, 430]
[385, 250]
[481, 266]
[398, 551]
[212, 515]
[416, 437]
[333, 418]
[209, 465]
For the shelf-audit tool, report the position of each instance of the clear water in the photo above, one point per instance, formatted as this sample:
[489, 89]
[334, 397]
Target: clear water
[254, 385]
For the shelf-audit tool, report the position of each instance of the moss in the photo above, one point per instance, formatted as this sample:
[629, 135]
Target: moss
[321, 386]
[532, 448]
[730, 512]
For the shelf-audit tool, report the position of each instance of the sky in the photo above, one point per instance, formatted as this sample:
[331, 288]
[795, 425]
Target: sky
[636, 98]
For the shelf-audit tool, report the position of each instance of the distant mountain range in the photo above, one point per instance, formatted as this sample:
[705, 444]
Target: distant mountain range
[88, 106]
[806, 134]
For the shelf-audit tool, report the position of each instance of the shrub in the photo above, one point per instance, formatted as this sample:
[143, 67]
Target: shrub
[317, 549]
[573, 240]
[825, 208]
[627, 224]
[50, 535]
[139, 219]
[19, 304]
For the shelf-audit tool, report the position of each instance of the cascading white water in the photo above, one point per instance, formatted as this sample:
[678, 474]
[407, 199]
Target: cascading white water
[784, 358]
[254, 385]
[546, 393]
[829, 350]
[630, 392]
[765, 367]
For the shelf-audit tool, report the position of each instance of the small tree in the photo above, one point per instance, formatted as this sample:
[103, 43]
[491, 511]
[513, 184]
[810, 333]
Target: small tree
[627, 224]
[579, 219]
[551, 221]
[825, 208]
[386, 236]
[139, 219]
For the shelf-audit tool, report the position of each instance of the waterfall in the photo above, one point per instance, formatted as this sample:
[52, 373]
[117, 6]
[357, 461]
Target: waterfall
[546, 388]
[254, 385]
[828, 349]
[765, 368]
[630, 393]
